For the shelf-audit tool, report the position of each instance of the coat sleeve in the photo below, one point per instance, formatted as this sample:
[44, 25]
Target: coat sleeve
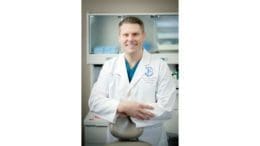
[99, 101]
[165, 98]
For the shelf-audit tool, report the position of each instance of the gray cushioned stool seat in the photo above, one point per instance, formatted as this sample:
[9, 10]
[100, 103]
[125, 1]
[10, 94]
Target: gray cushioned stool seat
[125, 130]
[129, 143]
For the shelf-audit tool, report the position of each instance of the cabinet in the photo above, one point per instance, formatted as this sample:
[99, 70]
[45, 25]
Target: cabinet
[166, 33]
[95, 130]
[161, 35]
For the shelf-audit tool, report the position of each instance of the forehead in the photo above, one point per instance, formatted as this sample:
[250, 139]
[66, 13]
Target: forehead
[130, 28]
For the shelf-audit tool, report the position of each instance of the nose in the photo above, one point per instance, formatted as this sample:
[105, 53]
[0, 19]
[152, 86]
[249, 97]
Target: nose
[130, 37]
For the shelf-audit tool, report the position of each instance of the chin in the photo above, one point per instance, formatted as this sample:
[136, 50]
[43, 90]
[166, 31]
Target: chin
[130, 51]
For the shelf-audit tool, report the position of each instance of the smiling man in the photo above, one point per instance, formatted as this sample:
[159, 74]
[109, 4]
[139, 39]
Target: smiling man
[135, 84]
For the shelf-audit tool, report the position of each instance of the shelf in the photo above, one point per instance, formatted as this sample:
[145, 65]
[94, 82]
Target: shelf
[172, 35]
[170, 58]
[167, 47]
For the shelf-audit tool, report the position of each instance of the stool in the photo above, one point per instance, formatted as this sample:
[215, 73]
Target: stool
[127, 133]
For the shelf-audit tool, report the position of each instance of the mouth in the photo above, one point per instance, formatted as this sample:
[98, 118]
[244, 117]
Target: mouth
[131, 45]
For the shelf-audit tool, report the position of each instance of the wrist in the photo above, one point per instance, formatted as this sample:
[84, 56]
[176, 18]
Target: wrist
[120, 108]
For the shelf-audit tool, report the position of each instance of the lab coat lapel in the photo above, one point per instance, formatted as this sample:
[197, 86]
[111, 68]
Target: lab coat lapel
[120, 66]
[140, 70]
[120, 70]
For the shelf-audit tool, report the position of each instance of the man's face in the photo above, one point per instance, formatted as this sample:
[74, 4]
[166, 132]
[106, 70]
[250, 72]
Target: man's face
[131, 38]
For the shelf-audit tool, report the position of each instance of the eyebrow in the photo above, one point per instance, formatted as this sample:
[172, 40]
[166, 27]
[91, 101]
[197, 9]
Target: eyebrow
[135, 33]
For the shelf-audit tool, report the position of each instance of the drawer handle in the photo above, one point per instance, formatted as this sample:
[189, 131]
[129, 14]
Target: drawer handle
[164, 58]
[107, 58]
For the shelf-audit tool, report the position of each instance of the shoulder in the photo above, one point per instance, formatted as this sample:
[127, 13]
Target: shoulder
[157, 61]
[110, 61]
[160, 67]
[152, 59]
[110, 64]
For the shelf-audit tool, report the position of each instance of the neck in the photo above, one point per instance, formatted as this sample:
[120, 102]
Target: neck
[132, 59]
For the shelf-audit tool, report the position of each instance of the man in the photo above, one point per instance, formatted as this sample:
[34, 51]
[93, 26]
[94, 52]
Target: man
[135, 84]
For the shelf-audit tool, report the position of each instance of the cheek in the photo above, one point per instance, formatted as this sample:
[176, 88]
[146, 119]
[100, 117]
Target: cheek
[140, 40]
[120, 38]
[121, 41]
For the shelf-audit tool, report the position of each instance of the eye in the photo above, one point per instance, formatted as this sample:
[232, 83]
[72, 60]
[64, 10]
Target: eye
[135, 34]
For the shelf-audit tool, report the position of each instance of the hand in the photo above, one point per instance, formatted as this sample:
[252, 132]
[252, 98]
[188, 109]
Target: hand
[123, 115]
[135, 109]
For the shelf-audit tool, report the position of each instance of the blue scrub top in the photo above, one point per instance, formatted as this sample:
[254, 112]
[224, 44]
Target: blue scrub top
[130, 71]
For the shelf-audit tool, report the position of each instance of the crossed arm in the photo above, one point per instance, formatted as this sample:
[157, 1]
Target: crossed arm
[134, 109]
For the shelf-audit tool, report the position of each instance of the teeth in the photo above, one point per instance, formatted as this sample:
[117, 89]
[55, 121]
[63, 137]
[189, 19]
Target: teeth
[131, 45]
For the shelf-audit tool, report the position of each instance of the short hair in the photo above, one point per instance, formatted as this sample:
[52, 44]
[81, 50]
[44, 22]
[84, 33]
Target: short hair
[132, 20]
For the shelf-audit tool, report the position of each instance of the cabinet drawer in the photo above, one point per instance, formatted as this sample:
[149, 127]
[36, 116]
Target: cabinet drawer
[95, 134]
[94, 144]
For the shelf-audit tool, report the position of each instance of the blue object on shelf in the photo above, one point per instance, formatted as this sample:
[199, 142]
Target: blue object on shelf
[105, 50]
[147, 46]
[98, 50]
[110, 50]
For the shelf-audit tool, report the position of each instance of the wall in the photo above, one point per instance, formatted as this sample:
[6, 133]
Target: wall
[115, 6]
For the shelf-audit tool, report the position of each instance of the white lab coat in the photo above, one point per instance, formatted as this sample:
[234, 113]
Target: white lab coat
[152, 84]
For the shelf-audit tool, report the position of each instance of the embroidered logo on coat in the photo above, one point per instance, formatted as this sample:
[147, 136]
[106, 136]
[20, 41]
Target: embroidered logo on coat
[148, 71]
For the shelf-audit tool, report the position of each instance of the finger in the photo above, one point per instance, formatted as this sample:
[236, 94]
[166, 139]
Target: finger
[140, 116]
[150, 114]
[146, 106]
[147, 113]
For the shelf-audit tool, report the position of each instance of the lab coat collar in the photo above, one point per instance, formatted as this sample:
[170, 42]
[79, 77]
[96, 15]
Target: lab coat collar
[140, 70]
[121, 69]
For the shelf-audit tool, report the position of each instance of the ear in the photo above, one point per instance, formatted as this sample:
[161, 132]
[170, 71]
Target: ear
[144, 35]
